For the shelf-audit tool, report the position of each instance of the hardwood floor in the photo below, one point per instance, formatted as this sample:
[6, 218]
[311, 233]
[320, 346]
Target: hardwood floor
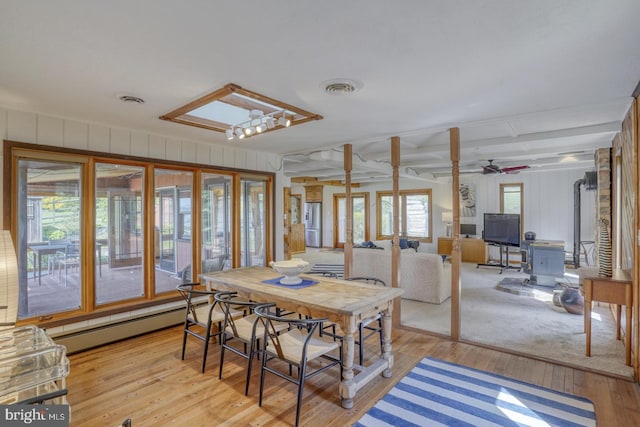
[144, 379]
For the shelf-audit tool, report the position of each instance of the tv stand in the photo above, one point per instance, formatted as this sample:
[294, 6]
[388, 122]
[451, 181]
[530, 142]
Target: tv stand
[473, 250]
[502, 265]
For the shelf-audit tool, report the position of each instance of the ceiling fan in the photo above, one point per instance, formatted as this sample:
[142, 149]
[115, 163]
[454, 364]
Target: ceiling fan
[495, 169]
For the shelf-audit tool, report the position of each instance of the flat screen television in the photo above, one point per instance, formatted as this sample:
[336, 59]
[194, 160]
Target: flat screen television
[468, 229]
[502, 229]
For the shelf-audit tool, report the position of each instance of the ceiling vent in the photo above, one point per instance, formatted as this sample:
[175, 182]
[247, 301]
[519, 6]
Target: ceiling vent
[341, 87]
[131, 98]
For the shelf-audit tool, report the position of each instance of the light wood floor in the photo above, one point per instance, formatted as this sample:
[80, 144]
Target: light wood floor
[144, 379]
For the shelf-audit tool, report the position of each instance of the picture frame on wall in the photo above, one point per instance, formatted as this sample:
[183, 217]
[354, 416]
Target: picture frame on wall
[467, 200]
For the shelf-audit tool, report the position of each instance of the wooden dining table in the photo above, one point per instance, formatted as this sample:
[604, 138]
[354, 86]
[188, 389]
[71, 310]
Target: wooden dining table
[346, 303]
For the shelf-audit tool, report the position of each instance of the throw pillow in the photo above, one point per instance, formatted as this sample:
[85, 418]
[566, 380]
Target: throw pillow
[404, 244]
[414, 244]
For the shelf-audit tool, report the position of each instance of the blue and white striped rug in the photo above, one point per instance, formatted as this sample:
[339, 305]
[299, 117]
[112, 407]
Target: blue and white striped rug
[438, 393]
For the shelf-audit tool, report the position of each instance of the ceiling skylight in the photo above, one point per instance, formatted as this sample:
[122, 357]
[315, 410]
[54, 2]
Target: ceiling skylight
[234, 110]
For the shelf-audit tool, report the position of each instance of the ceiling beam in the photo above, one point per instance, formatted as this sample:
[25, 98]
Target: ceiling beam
[438, 150]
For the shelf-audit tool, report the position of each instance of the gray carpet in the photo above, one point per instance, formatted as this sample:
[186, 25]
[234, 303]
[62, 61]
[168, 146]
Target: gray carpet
[526, 323]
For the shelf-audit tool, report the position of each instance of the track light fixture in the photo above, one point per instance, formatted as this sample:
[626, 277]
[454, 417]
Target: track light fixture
[284, 121]
[258, 123]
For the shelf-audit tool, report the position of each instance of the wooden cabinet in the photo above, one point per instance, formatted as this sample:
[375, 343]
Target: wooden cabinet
[296, 239]
[313, 193]
[473, 250]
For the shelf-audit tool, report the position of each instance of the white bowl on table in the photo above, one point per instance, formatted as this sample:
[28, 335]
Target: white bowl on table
[291, 269]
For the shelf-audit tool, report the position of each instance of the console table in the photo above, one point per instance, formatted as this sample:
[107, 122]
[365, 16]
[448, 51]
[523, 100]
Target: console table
[613, 290]
[473, 250]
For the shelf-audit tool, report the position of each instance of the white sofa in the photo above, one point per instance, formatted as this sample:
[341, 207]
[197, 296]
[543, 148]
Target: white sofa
[423, 276]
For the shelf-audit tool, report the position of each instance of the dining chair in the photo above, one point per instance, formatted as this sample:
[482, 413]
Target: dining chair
[367, 328]
[296, 347]
[209, 265]
[372, 325]
[245, 330]
[202, 315]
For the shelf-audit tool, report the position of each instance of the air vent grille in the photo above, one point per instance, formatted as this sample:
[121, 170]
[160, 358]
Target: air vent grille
[341, 87]
[130, 98]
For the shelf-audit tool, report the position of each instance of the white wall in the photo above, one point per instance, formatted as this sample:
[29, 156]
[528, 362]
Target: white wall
[548, 204]
[41, 129]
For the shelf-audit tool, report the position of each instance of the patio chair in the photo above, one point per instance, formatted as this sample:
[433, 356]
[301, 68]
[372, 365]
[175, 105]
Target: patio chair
[296, 347]
[52, 259]
[68, 258]
[245, 330]
[202, 315]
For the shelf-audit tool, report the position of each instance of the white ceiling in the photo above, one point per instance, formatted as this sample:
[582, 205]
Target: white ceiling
[523, 80]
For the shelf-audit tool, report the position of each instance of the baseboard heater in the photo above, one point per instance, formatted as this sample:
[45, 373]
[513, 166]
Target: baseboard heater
[94, 337]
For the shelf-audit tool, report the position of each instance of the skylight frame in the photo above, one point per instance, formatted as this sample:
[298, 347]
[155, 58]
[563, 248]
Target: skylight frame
[237, 96]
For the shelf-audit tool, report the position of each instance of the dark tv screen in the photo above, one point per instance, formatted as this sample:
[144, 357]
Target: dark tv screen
[468, 229]
[503, 229]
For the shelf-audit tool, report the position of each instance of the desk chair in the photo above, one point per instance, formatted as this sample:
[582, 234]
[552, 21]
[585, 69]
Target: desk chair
[296, 347]
[202, 315]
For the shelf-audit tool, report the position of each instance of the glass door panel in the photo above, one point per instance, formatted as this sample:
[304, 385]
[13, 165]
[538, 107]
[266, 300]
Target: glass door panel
[252, 223]
[49, 260]
[119, 232]
[216, 222]
[165, 229]
[172, 225]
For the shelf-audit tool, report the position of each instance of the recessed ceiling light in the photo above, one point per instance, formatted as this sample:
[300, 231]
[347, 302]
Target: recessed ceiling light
[131, 98]
[341, 86]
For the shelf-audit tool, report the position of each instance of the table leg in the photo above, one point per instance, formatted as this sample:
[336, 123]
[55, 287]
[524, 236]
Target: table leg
[627, 336]
[100, 260]
[618, 321]
[587, 313]
[348, 385]
[628, 297]
[387, 354]
[39, 269]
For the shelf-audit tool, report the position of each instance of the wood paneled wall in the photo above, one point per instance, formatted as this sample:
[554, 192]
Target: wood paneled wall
[623, 146]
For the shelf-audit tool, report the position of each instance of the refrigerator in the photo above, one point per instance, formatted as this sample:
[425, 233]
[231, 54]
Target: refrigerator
[313, 224]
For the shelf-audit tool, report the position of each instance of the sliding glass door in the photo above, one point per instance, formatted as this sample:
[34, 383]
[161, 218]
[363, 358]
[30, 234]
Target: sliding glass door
[95, 233]
[119, 232]
[216, 221]
[252, 223]
[172, 227]
[49, 205]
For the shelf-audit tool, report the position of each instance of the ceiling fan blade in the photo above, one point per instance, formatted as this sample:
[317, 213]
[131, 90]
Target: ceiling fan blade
[489, 169]
[515, 169]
